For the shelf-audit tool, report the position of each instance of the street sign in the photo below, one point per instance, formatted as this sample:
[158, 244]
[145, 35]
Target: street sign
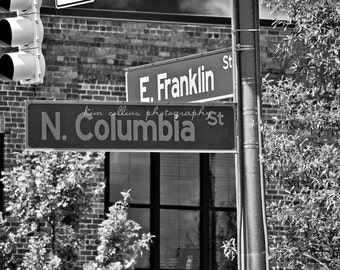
[70, 3]
[130, 127]
[196, 78]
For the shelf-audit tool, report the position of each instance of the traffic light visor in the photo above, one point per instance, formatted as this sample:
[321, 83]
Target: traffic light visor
[6, 68]
[16, 31]
[17, 66]
[5, 33]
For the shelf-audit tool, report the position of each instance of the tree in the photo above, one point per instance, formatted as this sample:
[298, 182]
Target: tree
[49, 192]
[120, 242]
[302, 147]
[6, 246]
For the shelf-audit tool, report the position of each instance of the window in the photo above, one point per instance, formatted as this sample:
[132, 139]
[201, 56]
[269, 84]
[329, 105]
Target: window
[188, 200]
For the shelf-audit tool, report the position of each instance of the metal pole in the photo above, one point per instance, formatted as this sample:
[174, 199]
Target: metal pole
[252, 233]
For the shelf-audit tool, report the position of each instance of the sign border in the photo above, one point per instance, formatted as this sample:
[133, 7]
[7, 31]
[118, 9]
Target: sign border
[75, 3]
[94, 149]
[179, 59]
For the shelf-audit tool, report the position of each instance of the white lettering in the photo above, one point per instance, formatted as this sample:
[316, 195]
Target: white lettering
[175, 90]
[215, 118]
[101, 124]
[160, 85]
[209, 76]
[227, 60]
[184, 84]
[188, 131]
[191, 84]
[122, 129]
[142, 89]
[128, 133]
[164, 135]
[144, 125]
[47, 122]
[80, 134]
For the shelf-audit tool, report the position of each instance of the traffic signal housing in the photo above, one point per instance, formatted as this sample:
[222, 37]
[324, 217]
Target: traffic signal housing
[25, 32]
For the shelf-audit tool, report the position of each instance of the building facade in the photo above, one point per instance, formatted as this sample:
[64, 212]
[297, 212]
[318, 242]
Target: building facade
[188, 200]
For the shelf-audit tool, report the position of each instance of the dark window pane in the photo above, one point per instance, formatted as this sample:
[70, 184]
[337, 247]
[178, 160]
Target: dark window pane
[179, 239]
[130, 171]
[222, 167]
[179, 179]
[225, 226]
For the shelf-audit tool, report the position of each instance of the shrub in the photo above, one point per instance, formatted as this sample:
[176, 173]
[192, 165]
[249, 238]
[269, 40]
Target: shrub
[120, 243]
[6, 246]
[49, 193]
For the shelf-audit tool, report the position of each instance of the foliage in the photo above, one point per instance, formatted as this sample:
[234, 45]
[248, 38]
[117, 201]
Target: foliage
[230, 249]
[302, 153]
[49, 192]
[6, 246]
[120, 242]
[36, 258]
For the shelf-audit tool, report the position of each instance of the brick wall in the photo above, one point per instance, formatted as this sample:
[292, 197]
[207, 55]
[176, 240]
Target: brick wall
[85, 60]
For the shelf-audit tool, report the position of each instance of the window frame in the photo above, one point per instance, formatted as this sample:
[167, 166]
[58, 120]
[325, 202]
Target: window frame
[205, 208]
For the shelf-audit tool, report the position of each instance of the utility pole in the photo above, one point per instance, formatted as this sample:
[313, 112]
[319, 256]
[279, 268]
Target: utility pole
[252, 238]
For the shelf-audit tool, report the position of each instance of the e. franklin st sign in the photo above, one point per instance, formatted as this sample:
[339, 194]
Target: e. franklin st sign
[196, 78]
[130, 127]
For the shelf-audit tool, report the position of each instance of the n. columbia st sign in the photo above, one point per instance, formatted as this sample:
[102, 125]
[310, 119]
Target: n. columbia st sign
[130, 127]
[195, 78]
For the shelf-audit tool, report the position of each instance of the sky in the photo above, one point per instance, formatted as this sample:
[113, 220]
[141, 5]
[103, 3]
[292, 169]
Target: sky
[202, 7]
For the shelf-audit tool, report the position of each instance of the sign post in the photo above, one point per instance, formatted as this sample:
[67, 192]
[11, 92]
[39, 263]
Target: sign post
[252, 238]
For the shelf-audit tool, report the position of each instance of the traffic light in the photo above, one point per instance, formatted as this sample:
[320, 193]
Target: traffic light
[24, 31]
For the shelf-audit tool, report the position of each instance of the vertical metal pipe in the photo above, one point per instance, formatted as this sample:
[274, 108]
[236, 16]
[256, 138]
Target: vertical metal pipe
[252, 236]
[239, 204]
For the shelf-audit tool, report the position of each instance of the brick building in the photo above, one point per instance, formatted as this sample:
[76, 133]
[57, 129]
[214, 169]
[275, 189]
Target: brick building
[86, 52]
